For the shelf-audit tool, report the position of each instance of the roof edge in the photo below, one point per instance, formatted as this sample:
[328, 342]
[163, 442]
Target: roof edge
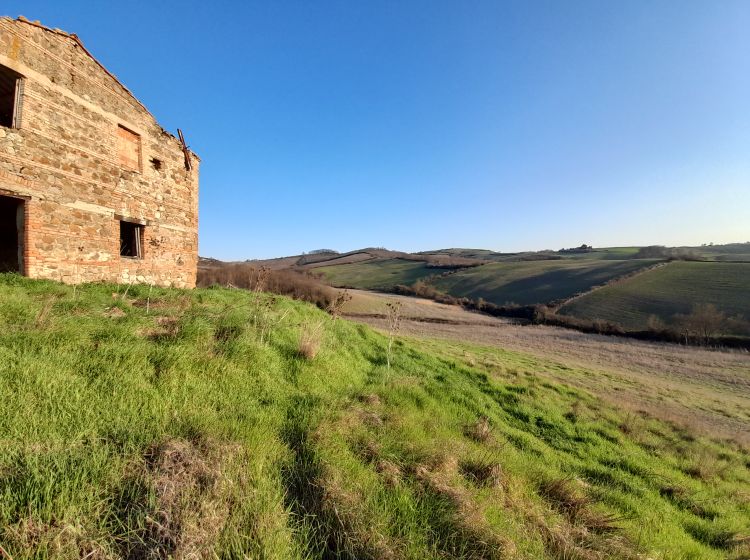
[78, 41]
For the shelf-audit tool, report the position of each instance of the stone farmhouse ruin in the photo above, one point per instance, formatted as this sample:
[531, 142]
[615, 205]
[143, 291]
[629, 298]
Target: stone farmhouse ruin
[91, 187]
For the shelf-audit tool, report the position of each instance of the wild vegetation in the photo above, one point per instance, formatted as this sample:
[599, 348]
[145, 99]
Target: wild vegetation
[288, 282]
[201, 428]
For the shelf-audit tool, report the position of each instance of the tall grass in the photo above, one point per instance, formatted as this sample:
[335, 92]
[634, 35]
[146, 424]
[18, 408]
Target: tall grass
[197, 430]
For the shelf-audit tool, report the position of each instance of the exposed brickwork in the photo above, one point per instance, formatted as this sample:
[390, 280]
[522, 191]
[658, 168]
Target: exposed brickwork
[82, 158]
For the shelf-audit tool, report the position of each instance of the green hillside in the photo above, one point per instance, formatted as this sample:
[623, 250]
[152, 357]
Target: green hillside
[666, 291]
[605, 253]
[728, 252]
[535, 281]
[218, 423]
[379, 274]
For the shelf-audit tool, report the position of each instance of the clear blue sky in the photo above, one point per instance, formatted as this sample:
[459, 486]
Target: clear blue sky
[423, 124]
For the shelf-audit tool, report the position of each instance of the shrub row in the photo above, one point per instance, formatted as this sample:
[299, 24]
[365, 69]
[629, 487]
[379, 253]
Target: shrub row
[287, 282]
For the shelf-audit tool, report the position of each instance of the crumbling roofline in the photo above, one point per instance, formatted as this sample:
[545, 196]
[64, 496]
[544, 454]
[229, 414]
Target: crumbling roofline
[78, 42]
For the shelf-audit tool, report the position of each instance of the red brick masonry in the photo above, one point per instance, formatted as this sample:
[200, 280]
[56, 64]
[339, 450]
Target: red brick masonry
[84, 155]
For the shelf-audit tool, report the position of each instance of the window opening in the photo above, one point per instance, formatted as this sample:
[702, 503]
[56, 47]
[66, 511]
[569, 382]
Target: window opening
[131, 240]
[11, 85]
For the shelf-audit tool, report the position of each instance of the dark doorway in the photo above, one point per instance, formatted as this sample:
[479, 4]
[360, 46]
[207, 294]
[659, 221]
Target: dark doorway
[11, 234]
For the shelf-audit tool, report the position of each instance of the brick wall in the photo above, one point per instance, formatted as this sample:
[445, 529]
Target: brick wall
[86, 154]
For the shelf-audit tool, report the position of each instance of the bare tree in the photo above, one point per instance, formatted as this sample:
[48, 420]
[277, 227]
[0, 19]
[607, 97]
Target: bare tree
[703, 322]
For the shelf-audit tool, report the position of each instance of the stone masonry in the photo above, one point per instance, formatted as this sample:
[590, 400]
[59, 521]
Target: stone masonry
[102, 192]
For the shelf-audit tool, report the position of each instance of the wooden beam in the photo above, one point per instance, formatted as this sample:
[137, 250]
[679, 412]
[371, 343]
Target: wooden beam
[186, 151]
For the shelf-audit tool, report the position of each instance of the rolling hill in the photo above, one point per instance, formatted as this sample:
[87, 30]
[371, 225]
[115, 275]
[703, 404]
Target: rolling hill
[527, 283]
[667, 291]
[714, 274]
[222, 423]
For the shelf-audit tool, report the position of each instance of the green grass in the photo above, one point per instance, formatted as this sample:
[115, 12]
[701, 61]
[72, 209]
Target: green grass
[603, 253]
[197, 430]
[666, 291]
[535, 281]
[728, 252]
[381, 274]
[606, 253]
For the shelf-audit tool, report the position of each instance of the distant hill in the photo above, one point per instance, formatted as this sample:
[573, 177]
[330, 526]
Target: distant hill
[601, 283]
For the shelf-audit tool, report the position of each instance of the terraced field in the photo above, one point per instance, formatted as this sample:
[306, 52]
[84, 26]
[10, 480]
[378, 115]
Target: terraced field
[666, 291]
[377, 275]
[532, 282]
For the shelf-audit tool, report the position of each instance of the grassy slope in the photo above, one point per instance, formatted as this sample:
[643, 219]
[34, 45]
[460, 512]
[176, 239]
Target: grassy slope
[607, 253]
[666, 291]
[381, 274]
[198, 428]
[729, 252]
[536, 281]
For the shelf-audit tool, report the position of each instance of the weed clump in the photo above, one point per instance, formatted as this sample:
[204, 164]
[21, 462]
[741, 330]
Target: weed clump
[310, 340]
[481, 431]
[482, 472]
[566, 496]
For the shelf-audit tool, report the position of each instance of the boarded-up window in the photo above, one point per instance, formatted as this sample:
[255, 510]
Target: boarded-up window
[129, 148]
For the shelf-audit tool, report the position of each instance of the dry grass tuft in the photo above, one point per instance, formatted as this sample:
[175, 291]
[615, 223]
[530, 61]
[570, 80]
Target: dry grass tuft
[190, 510]
[629, 424]
[371, 418]
[483, 472]
[481, 431]
[165, 328]
[115, 312]
[372, 399]
[369, 450]
[601, 521]
[390, 472]
[700, 471]
[565, 496]
[310, 340]
[51, 540]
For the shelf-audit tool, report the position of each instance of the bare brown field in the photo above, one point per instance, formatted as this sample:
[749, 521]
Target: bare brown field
[702, 389]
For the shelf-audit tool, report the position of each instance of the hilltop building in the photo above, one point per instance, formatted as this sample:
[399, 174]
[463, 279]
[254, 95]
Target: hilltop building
[91, 187]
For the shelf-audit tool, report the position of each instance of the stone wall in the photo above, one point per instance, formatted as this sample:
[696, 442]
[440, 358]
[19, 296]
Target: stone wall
[85, 155]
